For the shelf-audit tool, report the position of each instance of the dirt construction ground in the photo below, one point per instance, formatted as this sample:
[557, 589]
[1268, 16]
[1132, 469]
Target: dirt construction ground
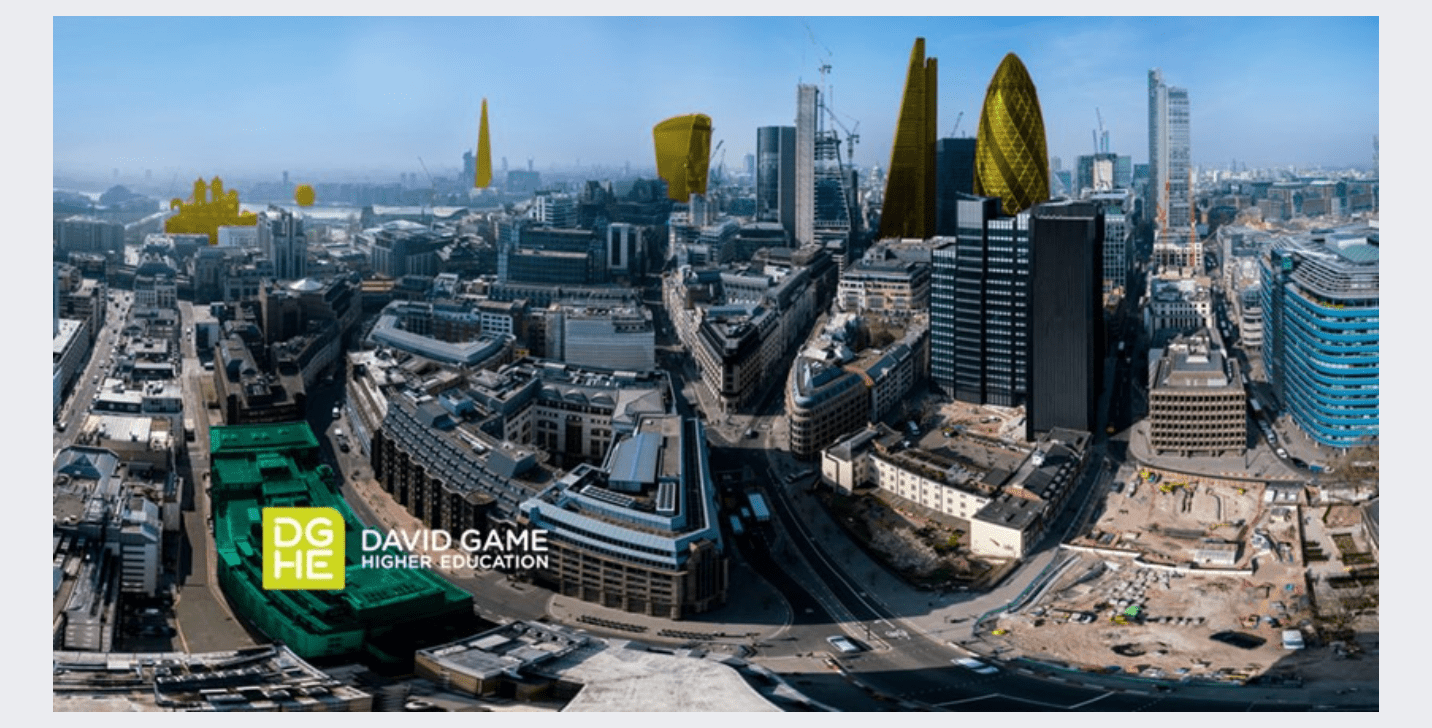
[1164, 569]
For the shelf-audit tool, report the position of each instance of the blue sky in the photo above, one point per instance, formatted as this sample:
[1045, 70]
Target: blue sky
[244, 96]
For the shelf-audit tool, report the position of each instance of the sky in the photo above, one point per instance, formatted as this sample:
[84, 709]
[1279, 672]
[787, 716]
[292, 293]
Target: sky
[317, 96]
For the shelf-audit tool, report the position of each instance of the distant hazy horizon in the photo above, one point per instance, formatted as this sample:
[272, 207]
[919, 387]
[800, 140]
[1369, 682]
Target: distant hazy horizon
[367, 98]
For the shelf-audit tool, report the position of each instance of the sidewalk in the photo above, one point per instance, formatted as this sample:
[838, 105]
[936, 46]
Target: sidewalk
[1256, 464]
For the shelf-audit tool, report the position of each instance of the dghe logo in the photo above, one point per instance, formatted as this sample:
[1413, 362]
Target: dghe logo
[303, 548]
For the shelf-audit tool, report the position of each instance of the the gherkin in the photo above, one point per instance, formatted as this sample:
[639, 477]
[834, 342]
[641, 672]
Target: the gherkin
[1011, 159]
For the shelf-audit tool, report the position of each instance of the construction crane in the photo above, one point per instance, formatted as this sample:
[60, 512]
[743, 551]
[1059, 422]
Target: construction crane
[718, 173]
[432, 187]
[958, 118]
[851, 135]
[825, 60]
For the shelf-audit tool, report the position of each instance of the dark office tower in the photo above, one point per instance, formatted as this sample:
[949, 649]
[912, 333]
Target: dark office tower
[979, 306]
[954, 175]
[1011, 160]
[776, 176]
[1066, 242]
[909, 208]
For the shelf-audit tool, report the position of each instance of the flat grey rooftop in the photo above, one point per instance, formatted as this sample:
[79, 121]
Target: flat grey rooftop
[631, 679]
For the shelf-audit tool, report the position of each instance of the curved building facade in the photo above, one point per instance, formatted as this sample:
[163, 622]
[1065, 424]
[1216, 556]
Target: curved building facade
[1320, 339]
[1011, 158]
[823, 402]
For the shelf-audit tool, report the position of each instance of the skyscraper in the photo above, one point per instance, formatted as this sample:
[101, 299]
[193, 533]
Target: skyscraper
[1095, 173]
[282, 241]
[1011, 159]
[1169, 190]
[482, 173]
[1066, 320]
[806, 100]
[909, 204]
[683, 154]
[1118, 236]
[825, 191]
[776, 176]
[954, 176]
[1320, 296]
[979, 306]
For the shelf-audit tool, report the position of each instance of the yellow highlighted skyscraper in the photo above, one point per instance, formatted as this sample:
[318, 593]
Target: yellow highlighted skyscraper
[1011, 159]
[483, 178]
[683, 154]
[908, 210]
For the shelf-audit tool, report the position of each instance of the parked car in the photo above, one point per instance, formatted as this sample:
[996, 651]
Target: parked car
[970, 663]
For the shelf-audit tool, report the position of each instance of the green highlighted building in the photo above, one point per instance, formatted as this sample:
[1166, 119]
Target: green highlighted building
[383, 614]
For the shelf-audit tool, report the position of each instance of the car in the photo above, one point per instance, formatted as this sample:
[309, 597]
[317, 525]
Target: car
[973, 665]
[1282, 453]
[842, 643]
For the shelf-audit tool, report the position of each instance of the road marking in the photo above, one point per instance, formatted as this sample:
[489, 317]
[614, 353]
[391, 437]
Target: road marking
[1090, 700]
[965, 700]
[1011, 697]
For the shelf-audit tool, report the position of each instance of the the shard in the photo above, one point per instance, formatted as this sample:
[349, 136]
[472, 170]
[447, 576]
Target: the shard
[1011, 159]
[908, 210]
[484, 152]
[683, 154]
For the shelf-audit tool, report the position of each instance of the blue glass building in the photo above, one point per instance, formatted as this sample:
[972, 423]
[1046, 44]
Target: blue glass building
[1320, 346]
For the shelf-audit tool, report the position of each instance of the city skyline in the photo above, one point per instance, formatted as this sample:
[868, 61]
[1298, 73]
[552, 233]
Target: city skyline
[376, 95]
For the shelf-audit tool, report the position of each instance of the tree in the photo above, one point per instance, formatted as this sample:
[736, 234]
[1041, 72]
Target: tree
[1355, 468]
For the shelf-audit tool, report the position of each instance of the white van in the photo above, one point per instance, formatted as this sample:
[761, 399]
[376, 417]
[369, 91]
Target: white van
[1292, 639]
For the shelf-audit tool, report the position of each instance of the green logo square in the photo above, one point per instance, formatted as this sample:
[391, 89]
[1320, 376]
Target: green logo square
[303, 548]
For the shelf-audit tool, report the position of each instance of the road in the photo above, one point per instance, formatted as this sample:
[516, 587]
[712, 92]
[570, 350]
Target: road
[204, 619]
[89, 379]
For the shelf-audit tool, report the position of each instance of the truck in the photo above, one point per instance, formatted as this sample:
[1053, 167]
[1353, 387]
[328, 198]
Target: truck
[759, 510]
[188, 429]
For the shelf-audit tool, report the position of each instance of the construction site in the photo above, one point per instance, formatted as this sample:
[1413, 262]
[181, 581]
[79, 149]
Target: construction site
[1193, 578]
